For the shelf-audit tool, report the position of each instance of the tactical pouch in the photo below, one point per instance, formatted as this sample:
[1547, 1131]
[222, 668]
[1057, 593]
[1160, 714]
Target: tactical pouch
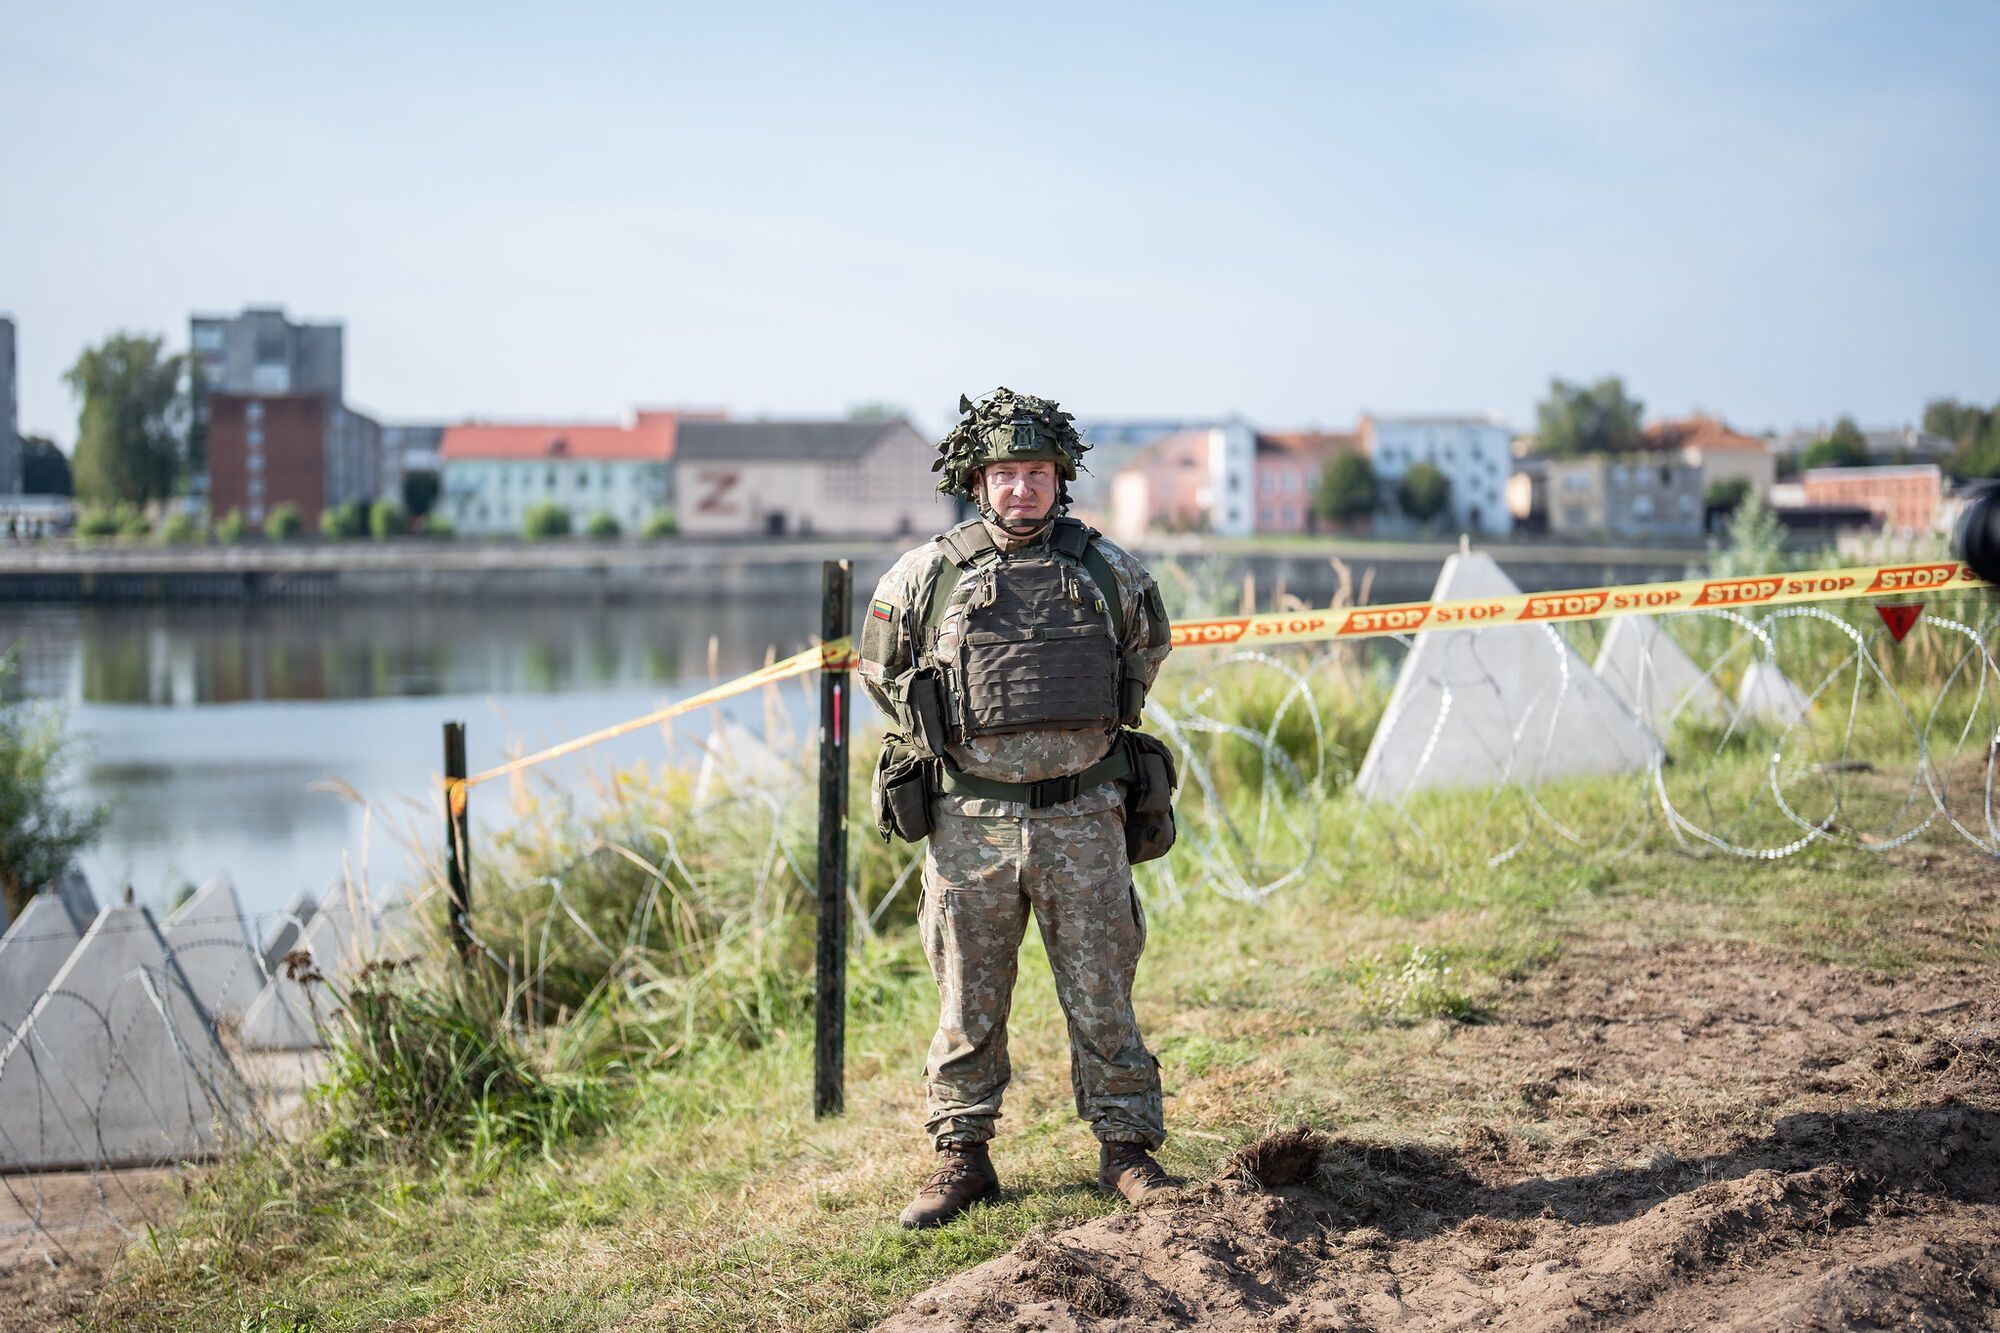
[905, 782]
[1149, 798]
[923, 709]
[1131, 689]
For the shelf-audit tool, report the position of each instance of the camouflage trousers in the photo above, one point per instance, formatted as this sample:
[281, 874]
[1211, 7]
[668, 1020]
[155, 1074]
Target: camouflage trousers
[981, 877]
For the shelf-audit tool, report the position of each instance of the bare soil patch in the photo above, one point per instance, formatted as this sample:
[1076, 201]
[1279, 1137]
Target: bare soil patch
[1694, 1135]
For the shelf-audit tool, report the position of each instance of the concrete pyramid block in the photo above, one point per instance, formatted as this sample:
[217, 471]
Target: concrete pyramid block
[296, 1002]
[281, 934]
[32, 951]
[211, 942]
[73, 891]
[1479, 707]
[1654, 677]
[118, 1064]
[1768, 695]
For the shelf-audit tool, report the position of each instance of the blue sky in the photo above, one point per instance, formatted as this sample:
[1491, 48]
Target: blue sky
[1779, 211]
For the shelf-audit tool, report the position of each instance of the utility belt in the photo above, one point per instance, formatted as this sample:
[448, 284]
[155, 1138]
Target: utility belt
[909, 780]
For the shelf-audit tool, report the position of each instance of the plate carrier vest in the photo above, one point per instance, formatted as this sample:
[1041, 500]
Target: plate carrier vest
[1040, 647]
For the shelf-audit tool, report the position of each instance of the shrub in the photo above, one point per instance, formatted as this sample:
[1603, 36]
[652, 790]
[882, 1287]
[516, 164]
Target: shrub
[344, 521]
[436, 525]
[284, 524]
[420, 1064]
[601, 526]
[661, 525]
[39, 832]
[180, 530]
[99, 522]
[385, 519]
[545, 520]
[232, 528]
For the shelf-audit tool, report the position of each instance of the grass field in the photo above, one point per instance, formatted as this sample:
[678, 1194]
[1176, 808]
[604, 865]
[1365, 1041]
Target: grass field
[690, 1187]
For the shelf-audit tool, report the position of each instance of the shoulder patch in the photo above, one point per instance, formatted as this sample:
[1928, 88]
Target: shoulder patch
[882, 610]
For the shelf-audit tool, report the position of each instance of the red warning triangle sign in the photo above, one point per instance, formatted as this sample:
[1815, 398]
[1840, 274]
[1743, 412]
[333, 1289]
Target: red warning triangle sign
[1899, 616]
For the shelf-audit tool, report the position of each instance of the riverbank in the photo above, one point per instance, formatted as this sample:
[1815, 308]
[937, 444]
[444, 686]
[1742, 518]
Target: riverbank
[634, 569]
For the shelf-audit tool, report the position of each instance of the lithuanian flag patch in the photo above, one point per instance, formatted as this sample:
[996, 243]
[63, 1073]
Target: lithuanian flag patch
[881, 610]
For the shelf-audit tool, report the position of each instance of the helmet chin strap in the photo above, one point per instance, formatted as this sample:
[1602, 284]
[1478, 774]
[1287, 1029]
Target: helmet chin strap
[1016, 527]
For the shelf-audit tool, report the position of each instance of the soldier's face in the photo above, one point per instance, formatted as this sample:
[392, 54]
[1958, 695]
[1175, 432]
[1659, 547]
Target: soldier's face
[1020, 491]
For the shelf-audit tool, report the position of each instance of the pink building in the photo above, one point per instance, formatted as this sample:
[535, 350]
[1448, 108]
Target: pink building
[1167, 486]
[1906, 498]
[1287, 474]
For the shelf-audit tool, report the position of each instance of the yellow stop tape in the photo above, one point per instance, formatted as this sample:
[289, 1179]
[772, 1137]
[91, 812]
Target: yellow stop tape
[1632, 599]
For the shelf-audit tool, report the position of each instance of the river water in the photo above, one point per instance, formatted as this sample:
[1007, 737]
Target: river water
[219, 736]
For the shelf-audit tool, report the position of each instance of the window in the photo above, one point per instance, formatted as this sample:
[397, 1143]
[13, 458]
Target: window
[256, 436]
[253, 411]
[255, 462]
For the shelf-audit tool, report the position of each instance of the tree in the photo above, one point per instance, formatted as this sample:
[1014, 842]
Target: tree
[661, 524]
[1347, 491]
[1974, 432]
[44, 468]
[39, 833]
[344, 521]
[420, 493]
[544, 520]
[1424, 492]
[1598, 419]
[1844, 446]
[284, 523]
[385, 520]
[131, 441]
[1725, 495]
[602, 526]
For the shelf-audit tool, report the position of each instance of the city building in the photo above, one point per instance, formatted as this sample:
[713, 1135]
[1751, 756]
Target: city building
[1288, 467]
[408, 448]
[1114, 442]
[1474, 452]
[493, 474]
[1199, 480]
[279, 431]
[10, 413]
[1905, 499]
[1644, 497]
[785, 478]
[1722, 454]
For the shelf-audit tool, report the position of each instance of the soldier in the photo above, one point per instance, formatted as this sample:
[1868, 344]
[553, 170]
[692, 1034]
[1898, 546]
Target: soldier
[1007, 652]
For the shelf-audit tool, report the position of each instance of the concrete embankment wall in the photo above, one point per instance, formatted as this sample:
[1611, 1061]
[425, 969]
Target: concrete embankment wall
[636, 570]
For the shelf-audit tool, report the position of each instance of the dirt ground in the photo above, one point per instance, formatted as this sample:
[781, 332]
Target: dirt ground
[61, 1231]
[1693, 1136]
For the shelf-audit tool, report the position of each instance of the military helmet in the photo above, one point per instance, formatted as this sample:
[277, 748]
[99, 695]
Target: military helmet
[1007, 427]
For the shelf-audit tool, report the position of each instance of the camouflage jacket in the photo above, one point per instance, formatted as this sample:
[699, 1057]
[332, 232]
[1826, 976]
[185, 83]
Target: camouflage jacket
[1028, 756]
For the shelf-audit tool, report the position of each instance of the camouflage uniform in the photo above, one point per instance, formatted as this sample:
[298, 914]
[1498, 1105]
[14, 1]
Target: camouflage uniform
[989, 861]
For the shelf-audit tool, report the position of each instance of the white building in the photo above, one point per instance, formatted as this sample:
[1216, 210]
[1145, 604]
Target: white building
[492, 475]
[1474, 453]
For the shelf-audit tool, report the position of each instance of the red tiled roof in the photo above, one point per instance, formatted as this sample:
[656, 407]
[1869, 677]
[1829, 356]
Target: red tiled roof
[649, 436]
[1700, 432]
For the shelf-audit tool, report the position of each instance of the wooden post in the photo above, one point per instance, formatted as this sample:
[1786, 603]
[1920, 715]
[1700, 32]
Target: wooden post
[457, 839]
[830, 973]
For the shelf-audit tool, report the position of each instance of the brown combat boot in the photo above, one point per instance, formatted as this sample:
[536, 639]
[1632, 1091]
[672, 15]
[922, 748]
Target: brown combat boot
[1128, 1170]
[964, 1177]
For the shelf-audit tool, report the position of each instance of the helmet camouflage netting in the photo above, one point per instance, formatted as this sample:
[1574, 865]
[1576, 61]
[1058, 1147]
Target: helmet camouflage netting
[1007, 427]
